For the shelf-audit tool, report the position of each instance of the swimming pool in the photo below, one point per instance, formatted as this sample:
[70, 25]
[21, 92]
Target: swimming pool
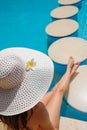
[23, 22]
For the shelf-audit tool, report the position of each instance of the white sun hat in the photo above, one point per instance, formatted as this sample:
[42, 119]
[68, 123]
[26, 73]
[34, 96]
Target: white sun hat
[25, 76]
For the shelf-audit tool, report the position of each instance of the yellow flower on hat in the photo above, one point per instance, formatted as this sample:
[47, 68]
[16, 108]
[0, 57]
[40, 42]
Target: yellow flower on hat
[30, 64]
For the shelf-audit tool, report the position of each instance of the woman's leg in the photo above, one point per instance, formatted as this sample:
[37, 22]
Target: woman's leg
[53, 99]
[70, 72]
[71, 69]
[47, 97]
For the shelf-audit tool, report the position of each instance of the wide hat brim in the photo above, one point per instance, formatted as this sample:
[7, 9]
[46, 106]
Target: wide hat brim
[33, 87]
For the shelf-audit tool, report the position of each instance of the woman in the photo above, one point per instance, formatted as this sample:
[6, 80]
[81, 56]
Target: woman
[45, 113]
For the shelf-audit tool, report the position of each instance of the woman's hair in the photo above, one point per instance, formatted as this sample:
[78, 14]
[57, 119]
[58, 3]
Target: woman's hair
[12, 122]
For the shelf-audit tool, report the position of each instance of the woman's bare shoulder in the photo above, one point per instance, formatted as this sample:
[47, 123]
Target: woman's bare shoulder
[41, 118]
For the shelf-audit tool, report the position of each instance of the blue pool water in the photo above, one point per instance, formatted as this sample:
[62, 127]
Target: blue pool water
[23, 22]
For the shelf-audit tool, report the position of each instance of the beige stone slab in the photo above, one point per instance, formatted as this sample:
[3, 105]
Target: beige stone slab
[62, 27]
[72, 124]
[77, 93]
[64, 12]
[63, 48]
[66, 2]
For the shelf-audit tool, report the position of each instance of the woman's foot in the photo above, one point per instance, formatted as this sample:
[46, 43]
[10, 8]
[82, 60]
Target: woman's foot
[63, 84]
[72, 67]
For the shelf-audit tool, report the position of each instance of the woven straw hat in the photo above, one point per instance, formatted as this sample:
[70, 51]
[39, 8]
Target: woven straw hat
[25, 76]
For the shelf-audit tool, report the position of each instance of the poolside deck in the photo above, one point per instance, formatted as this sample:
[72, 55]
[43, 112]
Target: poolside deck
[72, 124]
[66, 124]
